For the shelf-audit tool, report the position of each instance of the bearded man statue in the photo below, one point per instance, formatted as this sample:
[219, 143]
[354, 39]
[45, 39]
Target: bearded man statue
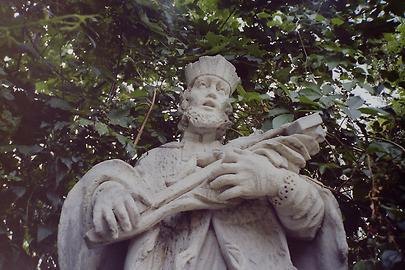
[201, 204]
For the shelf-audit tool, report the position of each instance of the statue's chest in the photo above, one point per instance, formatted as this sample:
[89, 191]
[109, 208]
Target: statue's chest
[174, 167]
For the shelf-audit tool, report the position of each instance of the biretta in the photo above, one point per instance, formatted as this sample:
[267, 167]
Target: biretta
[212, 65]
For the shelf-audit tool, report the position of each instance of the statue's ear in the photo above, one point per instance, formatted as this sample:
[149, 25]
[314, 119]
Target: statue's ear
[184, 105]
[185, 99]
[228, 108]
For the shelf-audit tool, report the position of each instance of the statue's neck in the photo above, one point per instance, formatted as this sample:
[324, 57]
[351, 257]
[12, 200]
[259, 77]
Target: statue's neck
[198, 137]
[197, 143]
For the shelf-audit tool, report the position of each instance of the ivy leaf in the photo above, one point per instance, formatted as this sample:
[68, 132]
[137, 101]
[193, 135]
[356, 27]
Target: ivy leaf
[2, 73]
[18, 191]
[146, 3]
[101, 128]
[139, 93]
[282, 119]
[355, 102]
[384, 148]
[310, 93]
[54, 199]
[119, 117]
[352, 113]
[29, 150]
[307, 101]
[394, 213]
[252, 96]
[337, 21]
[399, 107]
[6, 94]
[121, 139]
[319, 18]
[240, 90]
[263, 15]
[58, 103]
[390, 257]
[329, 101]
[373, 111]
[327, 89]
[214, 39]
[325, 166]
[267, 125]
[277, 111]
[155, 27]
[60, 171]
[43, 232]
[41, 86]
[84, 122]
[283, 74]
[379, 89]
[364, 265]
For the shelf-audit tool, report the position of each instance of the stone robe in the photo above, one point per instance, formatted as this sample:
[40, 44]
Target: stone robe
[249, 235]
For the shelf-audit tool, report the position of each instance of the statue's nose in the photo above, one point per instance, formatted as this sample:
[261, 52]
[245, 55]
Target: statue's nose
[212, 93]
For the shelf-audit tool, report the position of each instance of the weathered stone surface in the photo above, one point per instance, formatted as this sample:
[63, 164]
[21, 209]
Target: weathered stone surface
[200, 204]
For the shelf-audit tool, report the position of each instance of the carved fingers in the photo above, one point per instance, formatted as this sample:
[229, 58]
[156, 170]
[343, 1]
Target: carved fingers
[142, 197]
[273, 156]
[132, 211]
[225, 168]
[227, 180]
[115, 209]
[232, 186]
[122, 212]
[111, 222]
[243, 174]
[98, 219]
[232, 155]
[233, 193]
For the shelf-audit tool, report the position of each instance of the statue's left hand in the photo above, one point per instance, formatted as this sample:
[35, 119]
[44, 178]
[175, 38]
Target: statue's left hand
[247, 175]
[115, 209]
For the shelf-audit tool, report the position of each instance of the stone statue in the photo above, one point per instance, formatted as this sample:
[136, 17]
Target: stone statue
[200, 204]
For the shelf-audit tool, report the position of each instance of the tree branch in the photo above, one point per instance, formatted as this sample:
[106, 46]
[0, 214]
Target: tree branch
[138, 137]
[226, 20]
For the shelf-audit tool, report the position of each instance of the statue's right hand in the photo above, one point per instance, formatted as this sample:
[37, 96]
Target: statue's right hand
[115, 209]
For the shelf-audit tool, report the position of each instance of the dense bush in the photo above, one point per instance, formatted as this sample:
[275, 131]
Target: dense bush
[87, 80]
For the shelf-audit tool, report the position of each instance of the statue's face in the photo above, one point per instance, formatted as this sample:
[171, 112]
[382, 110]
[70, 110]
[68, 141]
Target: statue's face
[209, 93]
[208, 101]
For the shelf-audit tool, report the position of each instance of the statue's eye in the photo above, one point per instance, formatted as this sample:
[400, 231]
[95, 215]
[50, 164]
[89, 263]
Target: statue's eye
[203, 84]
[220, 88]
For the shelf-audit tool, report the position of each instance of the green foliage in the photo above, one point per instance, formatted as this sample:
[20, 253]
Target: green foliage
[78, 78]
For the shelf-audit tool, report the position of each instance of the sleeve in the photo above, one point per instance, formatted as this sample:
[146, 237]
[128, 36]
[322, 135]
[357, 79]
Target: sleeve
[298, 203]
[76, 220]
[299, 206]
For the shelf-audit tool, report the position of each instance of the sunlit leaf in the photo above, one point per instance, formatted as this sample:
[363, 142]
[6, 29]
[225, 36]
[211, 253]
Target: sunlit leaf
[58, 103]
[282, 119]
[337, 21]
[101, 128]
[355, 102]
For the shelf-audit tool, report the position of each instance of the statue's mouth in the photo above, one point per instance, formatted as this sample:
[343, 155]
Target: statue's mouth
[209, 104]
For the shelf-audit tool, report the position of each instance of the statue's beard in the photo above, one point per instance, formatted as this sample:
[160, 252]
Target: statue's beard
[201, 118]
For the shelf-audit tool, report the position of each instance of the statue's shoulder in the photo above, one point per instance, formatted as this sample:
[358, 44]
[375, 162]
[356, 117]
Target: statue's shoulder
[175, 145]
[164, 148]
[162, 152]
